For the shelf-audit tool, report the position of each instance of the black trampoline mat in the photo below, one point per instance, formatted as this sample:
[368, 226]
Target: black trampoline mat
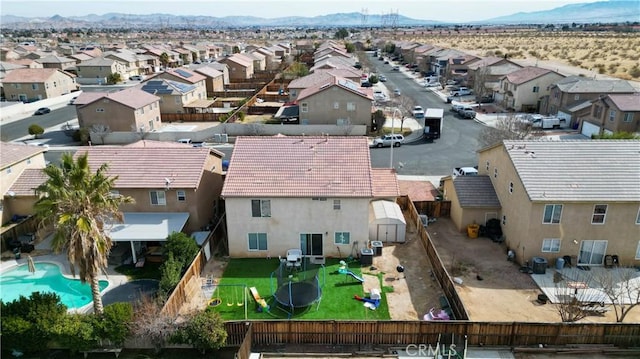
[297, 294]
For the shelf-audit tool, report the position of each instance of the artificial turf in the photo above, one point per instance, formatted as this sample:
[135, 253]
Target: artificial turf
[337, 301]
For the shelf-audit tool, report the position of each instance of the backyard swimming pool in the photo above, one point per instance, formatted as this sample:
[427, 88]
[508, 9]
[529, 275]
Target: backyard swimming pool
[47, 278]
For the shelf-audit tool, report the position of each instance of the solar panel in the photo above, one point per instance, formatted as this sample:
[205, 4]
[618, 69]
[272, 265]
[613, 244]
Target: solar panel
[183, 73]
[350, 85]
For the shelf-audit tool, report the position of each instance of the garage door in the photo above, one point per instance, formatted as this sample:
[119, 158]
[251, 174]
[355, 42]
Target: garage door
[589, 129]
[387, 232]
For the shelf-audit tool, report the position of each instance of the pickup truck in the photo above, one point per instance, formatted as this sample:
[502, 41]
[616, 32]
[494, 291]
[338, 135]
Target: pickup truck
[462, 91]
[465, 171]
[547, 122]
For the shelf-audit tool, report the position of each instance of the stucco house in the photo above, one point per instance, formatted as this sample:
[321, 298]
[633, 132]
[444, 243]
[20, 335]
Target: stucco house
[485, 74]
[240, 68]
[36, 84]
[571, 96]
[320, 76]
[98, 70]
[56, 62]
[129, 110]
[175, 187]
[214, 79]
[524, 89]
[19, 165]
[612, 113]
[174, 96]
[186, 76]
[559, 198]
[312, 193]
[336, 101]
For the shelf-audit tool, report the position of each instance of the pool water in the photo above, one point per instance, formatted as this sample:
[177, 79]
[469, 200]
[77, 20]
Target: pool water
[47, 278]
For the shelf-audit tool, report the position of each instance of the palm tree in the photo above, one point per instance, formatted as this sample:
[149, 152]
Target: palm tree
[80, 204]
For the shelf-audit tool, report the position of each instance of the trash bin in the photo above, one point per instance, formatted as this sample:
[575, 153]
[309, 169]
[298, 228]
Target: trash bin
[366, 256]
[377, 248]
[472, 230]
[559, 263]
[539, 265]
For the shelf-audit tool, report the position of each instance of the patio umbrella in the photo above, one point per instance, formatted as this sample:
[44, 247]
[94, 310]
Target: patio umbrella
[31, 264]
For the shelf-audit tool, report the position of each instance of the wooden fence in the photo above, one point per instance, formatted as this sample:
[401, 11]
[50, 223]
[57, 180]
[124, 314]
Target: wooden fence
[190, 117]
[402, 333]
[439, 271]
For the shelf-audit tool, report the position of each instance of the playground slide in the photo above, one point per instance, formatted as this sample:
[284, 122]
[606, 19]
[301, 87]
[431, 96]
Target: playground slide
[358, 278]
[258, 299]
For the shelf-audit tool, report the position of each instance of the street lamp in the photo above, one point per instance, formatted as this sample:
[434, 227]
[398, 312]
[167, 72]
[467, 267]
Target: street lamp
[393, 116]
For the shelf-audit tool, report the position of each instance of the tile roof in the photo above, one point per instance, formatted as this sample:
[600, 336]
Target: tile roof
[342, 83]
[627, 103]
[159, 86]
[580, 170]
[53, 59]
[31, 75]
[475, 191]
[185, 75]
[418, 191]
[311, 79]
[28, 181]
[131, 97]
[385, 182]
[209, 71]
[12, 153]
[149, 167]
[307, 166]
[98, 61]
[577, 84]
[526, 74]
[165, 144]
[242, 61]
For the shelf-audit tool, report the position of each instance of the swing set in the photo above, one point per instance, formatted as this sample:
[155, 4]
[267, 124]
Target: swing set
[227, 297]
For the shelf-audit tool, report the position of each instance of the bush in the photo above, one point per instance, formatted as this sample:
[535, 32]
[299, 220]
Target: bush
[113, 325]
[75, 332]
[27, 324]
[182, 247]
[204, 330]
[36, 130]
[170, 272]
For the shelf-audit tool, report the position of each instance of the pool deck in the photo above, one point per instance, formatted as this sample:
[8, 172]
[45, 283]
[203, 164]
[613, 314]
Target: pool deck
[43, 253]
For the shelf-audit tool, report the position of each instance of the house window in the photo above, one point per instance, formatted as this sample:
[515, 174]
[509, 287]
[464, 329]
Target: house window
[260, 208]
[319, 198]
[336, 204]
[304, 107]
[628, 117]
[342, 237]
[576, 97]
[55, 84]
[178, 99]
[99, 109]
[182, 196]
[257, 242]
[551, 245]
[114, 193]
[17, 86]
[597, 111]
[536, 89]
[29, 161]
[638, 217]
[34, 86]
[612, 115]
[504, 220]
[495, 173]
[293, 93]
[599, 214]
[556, 94]
[552, 213]
[9, 170]
[510, 187]
[158, 198]
[351, 106]
[336, 105]
[638, 251]
[487, 166]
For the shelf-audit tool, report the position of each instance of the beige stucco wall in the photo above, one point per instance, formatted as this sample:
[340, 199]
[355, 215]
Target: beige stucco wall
[119, 117]
[17, 205]
[464, 217]
[322, 108]
[292, 216]
[524, 95]
[238, 72]
[103, 71]
[525, 231]
[56, 85]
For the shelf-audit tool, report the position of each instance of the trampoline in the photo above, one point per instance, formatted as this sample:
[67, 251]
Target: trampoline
[298, 294]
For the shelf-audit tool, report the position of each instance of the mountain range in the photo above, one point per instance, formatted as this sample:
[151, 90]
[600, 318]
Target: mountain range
[613, 11]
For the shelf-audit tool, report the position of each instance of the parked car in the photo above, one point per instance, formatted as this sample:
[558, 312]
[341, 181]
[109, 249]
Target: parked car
[484, 99]
[396, 68]
[42, 111]
[136, 78]
[462, 91]
[382, 78]
[467, 113]
[457, 107]
[397, 92]
[388, 140]
[417, 108]
[366, 84]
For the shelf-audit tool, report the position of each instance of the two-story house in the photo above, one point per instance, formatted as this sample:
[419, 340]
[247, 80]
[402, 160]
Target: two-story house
[188, 77]
[321, 76]
[563, 198]
[612, 113]
[98, 70]
[571, 97]
[336, 101]
[129, 110]
[523, 89]
[484, 75]
[240, 69]
[56, 62]
[174, 95]
[36, 84]
[214, 79]
[311, 193]
[175, 188]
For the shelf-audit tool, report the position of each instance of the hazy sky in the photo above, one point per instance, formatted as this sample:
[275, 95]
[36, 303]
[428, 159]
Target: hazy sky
[439, 10]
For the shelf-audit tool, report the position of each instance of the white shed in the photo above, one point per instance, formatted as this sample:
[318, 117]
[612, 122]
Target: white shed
[386, 222]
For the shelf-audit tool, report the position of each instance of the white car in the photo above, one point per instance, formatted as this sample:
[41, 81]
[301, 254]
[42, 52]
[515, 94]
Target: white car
[397, 92]
[462, 91]
[388, 140]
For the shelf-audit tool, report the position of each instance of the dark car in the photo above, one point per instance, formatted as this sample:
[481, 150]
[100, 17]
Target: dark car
[42, 111]
[366, 84]
[484, 99]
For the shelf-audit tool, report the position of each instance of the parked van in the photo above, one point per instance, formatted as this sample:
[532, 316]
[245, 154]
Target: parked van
[186, 141]
[136, 78]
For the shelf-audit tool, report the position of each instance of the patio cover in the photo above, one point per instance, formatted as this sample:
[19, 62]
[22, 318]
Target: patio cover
[147, 226]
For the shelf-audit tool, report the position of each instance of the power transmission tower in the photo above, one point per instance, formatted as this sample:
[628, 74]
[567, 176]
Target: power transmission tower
[365, 16]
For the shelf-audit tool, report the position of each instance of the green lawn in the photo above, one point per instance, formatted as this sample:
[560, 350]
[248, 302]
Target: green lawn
[337, 293]
[149, 271]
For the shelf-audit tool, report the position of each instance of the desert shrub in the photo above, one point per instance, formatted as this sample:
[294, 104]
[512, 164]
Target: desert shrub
[241, 116]
[35, 130]
[635, 72]
[182, 247]
[170, 272]
[204, 330]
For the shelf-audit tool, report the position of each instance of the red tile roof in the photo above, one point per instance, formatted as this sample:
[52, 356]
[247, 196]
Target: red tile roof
[28, 181]
[192, 77]
[627, 103]
[340, 82]
[385, 182]
[526, 74]
[31, 75]
[132, 97]
[149, 167]
[297, 166]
